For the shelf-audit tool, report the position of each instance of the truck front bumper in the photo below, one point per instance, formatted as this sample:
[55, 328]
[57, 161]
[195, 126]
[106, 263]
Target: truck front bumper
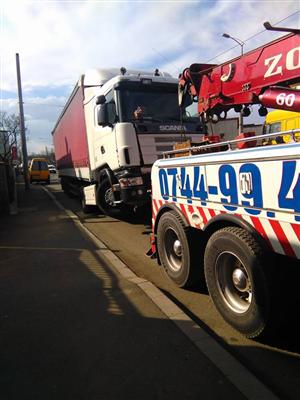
[135, 195]
[134, 189]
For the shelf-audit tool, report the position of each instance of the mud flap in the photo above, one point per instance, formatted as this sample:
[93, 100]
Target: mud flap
[152, 251]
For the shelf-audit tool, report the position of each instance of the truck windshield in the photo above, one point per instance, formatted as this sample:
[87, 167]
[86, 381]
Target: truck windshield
[154, 103]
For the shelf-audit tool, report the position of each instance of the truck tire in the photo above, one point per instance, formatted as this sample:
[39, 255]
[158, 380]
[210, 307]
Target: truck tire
[236, 280]
[105, 199]
[176, 252]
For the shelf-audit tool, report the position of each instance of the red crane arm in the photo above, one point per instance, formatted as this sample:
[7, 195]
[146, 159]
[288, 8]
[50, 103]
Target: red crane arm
[252, 78]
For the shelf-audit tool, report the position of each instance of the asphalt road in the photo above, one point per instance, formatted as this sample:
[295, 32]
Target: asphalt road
[76, 323]
[275, 360]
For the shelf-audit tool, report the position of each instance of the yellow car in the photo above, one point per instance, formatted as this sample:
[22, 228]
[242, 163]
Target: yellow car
[39, 171]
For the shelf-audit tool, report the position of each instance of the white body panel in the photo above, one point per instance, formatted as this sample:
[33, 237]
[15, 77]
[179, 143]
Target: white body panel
[90, 195]
[126, 139]
[260, 185]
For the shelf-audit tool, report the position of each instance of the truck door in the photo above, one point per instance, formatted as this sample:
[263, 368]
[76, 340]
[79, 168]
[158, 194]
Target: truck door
[105, 138]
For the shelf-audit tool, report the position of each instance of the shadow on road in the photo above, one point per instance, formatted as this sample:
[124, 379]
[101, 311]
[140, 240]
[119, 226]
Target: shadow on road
[73, 329]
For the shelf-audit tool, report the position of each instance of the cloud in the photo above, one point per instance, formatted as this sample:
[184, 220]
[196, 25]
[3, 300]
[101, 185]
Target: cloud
[37, 136]
[59, 40]
[40, 116]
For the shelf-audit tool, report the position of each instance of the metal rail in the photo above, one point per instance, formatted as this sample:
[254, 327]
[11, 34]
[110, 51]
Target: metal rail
[230, 143]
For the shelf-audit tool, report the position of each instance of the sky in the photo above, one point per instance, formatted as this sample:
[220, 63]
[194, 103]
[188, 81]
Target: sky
[57, 41]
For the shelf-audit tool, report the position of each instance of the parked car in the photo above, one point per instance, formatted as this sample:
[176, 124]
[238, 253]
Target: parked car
[52, 168]
[39, 171]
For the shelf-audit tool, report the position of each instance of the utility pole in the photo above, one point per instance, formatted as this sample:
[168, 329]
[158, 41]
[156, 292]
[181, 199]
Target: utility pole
[22, 126]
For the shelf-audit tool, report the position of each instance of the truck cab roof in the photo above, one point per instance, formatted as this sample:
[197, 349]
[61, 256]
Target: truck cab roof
[98, 77]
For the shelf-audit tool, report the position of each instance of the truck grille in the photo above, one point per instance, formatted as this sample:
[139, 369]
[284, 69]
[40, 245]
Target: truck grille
[152, 146]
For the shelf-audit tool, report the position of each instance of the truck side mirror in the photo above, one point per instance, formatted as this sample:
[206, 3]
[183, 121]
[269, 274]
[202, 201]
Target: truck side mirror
[102, 117]
[100, 99]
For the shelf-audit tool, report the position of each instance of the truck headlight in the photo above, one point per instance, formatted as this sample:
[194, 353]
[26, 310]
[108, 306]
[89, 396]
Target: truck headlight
[134, 181]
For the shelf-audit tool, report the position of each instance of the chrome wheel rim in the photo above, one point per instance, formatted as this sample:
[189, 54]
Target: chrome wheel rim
[233, 282]
[173, 250]
[109, 198]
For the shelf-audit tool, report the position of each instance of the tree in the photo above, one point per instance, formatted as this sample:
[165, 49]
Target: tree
[9, 134]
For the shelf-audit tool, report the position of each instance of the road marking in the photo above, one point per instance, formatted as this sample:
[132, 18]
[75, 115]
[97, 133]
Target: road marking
[251, 387]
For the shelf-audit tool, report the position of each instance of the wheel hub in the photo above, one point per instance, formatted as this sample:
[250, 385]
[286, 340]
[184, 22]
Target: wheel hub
[240, 280]
[233, 282]
[177, 248]
[173, 249]
[109, 197]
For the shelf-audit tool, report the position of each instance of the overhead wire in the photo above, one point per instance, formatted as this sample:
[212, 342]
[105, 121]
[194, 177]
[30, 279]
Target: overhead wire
[251, 37]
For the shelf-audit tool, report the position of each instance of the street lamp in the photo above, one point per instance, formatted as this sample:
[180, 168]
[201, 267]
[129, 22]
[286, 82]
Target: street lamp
[241, 43]
[238, 41]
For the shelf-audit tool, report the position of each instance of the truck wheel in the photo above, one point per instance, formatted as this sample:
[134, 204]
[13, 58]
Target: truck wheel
[176, 253]
[236, 280]
[105, 199]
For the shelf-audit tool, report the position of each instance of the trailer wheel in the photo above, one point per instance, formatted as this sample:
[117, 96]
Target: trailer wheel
[236, 280]
[176, 253]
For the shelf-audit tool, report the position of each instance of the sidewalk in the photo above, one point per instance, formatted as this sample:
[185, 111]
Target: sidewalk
[72, 328]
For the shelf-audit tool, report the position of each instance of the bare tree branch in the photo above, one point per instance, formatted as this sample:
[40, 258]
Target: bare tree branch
[9, 137]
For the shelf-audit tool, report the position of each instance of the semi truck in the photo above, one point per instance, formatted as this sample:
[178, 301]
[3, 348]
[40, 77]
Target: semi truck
[113, 127]
[223, 212]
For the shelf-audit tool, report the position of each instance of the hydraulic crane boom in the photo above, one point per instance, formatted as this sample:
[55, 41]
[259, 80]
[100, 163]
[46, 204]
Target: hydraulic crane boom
[267, 76]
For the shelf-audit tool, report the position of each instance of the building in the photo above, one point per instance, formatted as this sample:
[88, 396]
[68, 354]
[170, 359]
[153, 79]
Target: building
[228, 129]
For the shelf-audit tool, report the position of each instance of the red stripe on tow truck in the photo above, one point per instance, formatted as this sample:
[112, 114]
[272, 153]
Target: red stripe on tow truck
[182, 207]
[289, 251]
[212, 212]
[192, 212]
[202, 213]
[154, 208]
[258, 226]
[296, 228]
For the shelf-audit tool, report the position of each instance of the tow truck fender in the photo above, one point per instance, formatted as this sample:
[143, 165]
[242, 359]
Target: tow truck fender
[167, 207]
[214, 224]
[222, 220]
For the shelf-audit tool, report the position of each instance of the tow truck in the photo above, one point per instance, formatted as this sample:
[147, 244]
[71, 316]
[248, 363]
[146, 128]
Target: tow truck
[222, 211]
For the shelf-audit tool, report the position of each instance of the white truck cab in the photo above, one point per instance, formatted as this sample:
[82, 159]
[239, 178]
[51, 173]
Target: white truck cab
[130, 118]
